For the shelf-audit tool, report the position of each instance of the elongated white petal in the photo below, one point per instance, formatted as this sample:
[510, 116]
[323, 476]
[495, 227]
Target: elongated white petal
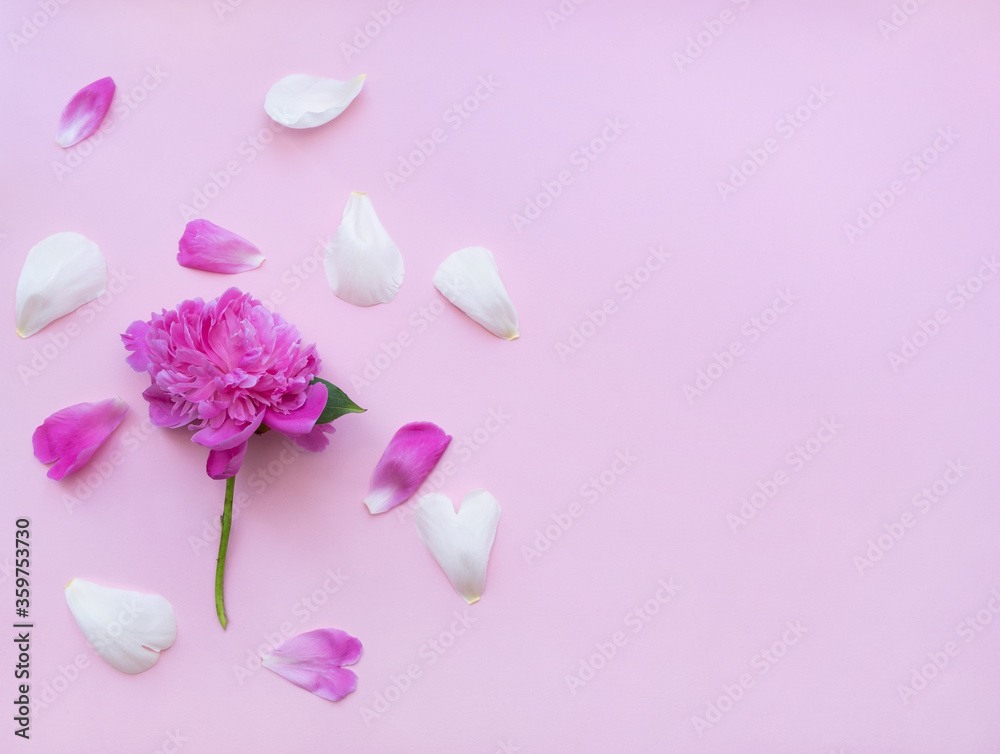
[128, 629]
[61, 273]
[460, 542]
[301, 101]
[469, 278]
[362, 263]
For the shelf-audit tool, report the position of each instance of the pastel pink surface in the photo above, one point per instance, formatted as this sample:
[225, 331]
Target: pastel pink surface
[849, 375]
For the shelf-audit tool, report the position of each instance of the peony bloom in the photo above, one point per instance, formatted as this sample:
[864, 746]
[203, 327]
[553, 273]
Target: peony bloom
[228, 369]
[225, 370]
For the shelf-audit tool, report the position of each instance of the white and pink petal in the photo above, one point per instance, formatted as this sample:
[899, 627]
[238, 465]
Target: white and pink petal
[411, 455]
[84, 113]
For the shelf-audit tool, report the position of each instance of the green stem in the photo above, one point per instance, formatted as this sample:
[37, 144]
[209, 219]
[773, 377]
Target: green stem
[220, 567]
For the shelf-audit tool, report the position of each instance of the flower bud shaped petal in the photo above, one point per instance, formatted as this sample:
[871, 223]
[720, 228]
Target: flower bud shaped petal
[363, 265]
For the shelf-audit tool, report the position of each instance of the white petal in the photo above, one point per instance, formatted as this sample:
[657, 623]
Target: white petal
[470, 280]
[362, 263]
[61, 273]
[301, 101]
[460, 542]
[128, 629]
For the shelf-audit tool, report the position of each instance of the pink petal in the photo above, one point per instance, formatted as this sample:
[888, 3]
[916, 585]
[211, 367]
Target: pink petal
[206, 246]
[316, 440]
[227, 435]
[84, 113]
[302, 420]
[135, 341]
[71, 436]
[413, 452]
[223, 464]
[314, 661]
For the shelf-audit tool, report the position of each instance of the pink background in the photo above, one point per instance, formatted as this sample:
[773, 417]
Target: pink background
[566, 415]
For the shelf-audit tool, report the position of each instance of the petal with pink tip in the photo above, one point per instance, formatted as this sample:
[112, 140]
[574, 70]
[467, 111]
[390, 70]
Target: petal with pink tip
[207, 246]
[84, 113]
[314, 661]
[60, 274]
[70, 436]
[460, 542]
[411, 455]
[302, 420]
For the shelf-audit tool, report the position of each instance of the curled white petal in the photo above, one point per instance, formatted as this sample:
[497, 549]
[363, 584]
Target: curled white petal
[469, 278]
[61, 273]
[301, 101]
[363, 265]
[128, 629]
[460, 542]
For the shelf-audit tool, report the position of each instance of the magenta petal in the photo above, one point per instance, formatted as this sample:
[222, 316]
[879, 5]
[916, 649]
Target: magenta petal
[71, 436]
[227, 435]
[314, 661]
[84, 113]
[413, 452]
[223, 464]
[206, 246]
[316, 440]
[302, 420]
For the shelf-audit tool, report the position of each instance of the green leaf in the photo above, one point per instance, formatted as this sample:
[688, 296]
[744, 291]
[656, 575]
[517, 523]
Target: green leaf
[337, 403]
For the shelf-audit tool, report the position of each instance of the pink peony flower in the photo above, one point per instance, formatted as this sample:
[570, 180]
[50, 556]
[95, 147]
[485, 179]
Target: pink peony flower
[225, 370]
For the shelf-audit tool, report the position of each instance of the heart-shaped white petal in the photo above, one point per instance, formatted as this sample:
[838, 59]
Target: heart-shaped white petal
[469, 278]
[128, 629]
[363, 265]
[460, 542]
[301, 101]
[62, 272]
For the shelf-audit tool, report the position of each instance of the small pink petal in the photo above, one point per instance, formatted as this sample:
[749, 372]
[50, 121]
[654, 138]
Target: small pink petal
[226, 435]
[206, 246]
[412, 453]
[223, 464]
[314, 661]
[316, 440]
[71, 436]
[84, 113]
[302, 420]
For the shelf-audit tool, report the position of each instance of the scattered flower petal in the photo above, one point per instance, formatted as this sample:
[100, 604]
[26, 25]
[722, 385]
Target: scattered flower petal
[314, 661]
[207, 246]
[301, 101]
[128, 629]
[61, 273]
[412, 453]
[460, 542]
[363, 265]
[70, 437]
[470, 280]
[84, 113]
